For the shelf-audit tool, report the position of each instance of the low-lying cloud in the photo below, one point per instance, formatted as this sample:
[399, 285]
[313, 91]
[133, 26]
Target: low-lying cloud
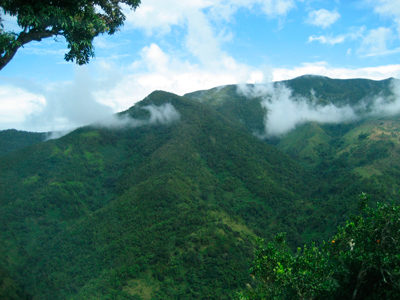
[159, 115]
[68, 105]
[284, 111]
[386, 106]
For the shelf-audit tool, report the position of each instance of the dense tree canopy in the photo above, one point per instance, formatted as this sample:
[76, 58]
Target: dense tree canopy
[360, 262]
[79, 21]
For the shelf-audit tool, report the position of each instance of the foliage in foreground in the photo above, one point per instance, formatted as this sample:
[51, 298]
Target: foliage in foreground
[362, 261]
[79, 22]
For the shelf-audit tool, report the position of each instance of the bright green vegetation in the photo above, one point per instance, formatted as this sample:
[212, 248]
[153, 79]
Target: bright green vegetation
[360, 262]
[173, 211]
[242, 111]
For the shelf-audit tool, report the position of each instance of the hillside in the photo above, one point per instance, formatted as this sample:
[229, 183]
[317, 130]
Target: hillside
[242, 106]
[11, 140]
[338, 91]
[164, 201]
[347, 158]
[157, 211]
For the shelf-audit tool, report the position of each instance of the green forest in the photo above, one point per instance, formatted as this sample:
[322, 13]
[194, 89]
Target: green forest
[202, 207]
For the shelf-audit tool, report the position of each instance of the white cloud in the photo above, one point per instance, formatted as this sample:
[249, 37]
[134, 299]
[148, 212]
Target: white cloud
[274, 8]
[324, 69]
[382, 53]
[284, 112]
[68, 105]
[353, 34]
[16, 104]
[322, 18]
[327, 39]
[156, 70]
[388, 9]
[158, 16]
[201, 40]
[163, 115]
[375, 42]
[387, 107]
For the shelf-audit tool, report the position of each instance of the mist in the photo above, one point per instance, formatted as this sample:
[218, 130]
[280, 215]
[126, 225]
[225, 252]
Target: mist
[284, 112]
[159, 115]
[69, 105]
[56, 134]
[387, 106]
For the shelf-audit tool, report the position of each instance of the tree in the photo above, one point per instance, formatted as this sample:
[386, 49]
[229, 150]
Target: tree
[362, 261]
[79, 21]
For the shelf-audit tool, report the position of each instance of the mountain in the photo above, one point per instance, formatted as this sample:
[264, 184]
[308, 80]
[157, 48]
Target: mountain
[232, 101]
[11, 139]
[162, 211]
[339, 91]
[165, 200]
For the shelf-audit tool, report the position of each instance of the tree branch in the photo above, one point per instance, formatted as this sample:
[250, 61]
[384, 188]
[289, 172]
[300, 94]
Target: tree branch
[24, 38]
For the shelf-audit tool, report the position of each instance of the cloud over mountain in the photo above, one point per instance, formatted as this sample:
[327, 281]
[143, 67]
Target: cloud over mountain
[285, 111]
[162, 115]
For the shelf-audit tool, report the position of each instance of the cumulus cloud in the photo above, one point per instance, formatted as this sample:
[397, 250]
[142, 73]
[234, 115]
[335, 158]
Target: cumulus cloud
[158, 70]
[203, 40]
[16, 104]
[322, 17]
[158, 17]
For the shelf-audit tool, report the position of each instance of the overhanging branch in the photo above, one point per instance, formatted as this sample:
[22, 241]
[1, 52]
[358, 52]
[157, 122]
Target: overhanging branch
[24, 38]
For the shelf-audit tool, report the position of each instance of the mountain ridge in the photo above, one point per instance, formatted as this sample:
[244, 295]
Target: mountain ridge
[150, 206]
[100, 195]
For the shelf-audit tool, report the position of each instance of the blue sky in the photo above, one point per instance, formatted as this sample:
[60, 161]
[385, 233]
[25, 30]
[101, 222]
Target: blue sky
[182, 46]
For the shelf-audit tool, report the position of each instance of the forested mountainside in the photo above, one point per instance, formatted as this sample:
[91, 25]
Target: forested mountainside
[164, 201]
[11, 140]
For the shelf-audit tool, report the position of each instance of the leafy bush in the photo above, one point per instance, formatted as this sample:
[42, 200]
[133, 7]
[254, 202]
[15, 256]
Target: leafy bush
[362, 261]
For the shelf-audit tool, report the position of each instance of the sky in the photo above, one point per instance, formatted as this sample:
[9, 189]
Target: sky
[181, 46]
